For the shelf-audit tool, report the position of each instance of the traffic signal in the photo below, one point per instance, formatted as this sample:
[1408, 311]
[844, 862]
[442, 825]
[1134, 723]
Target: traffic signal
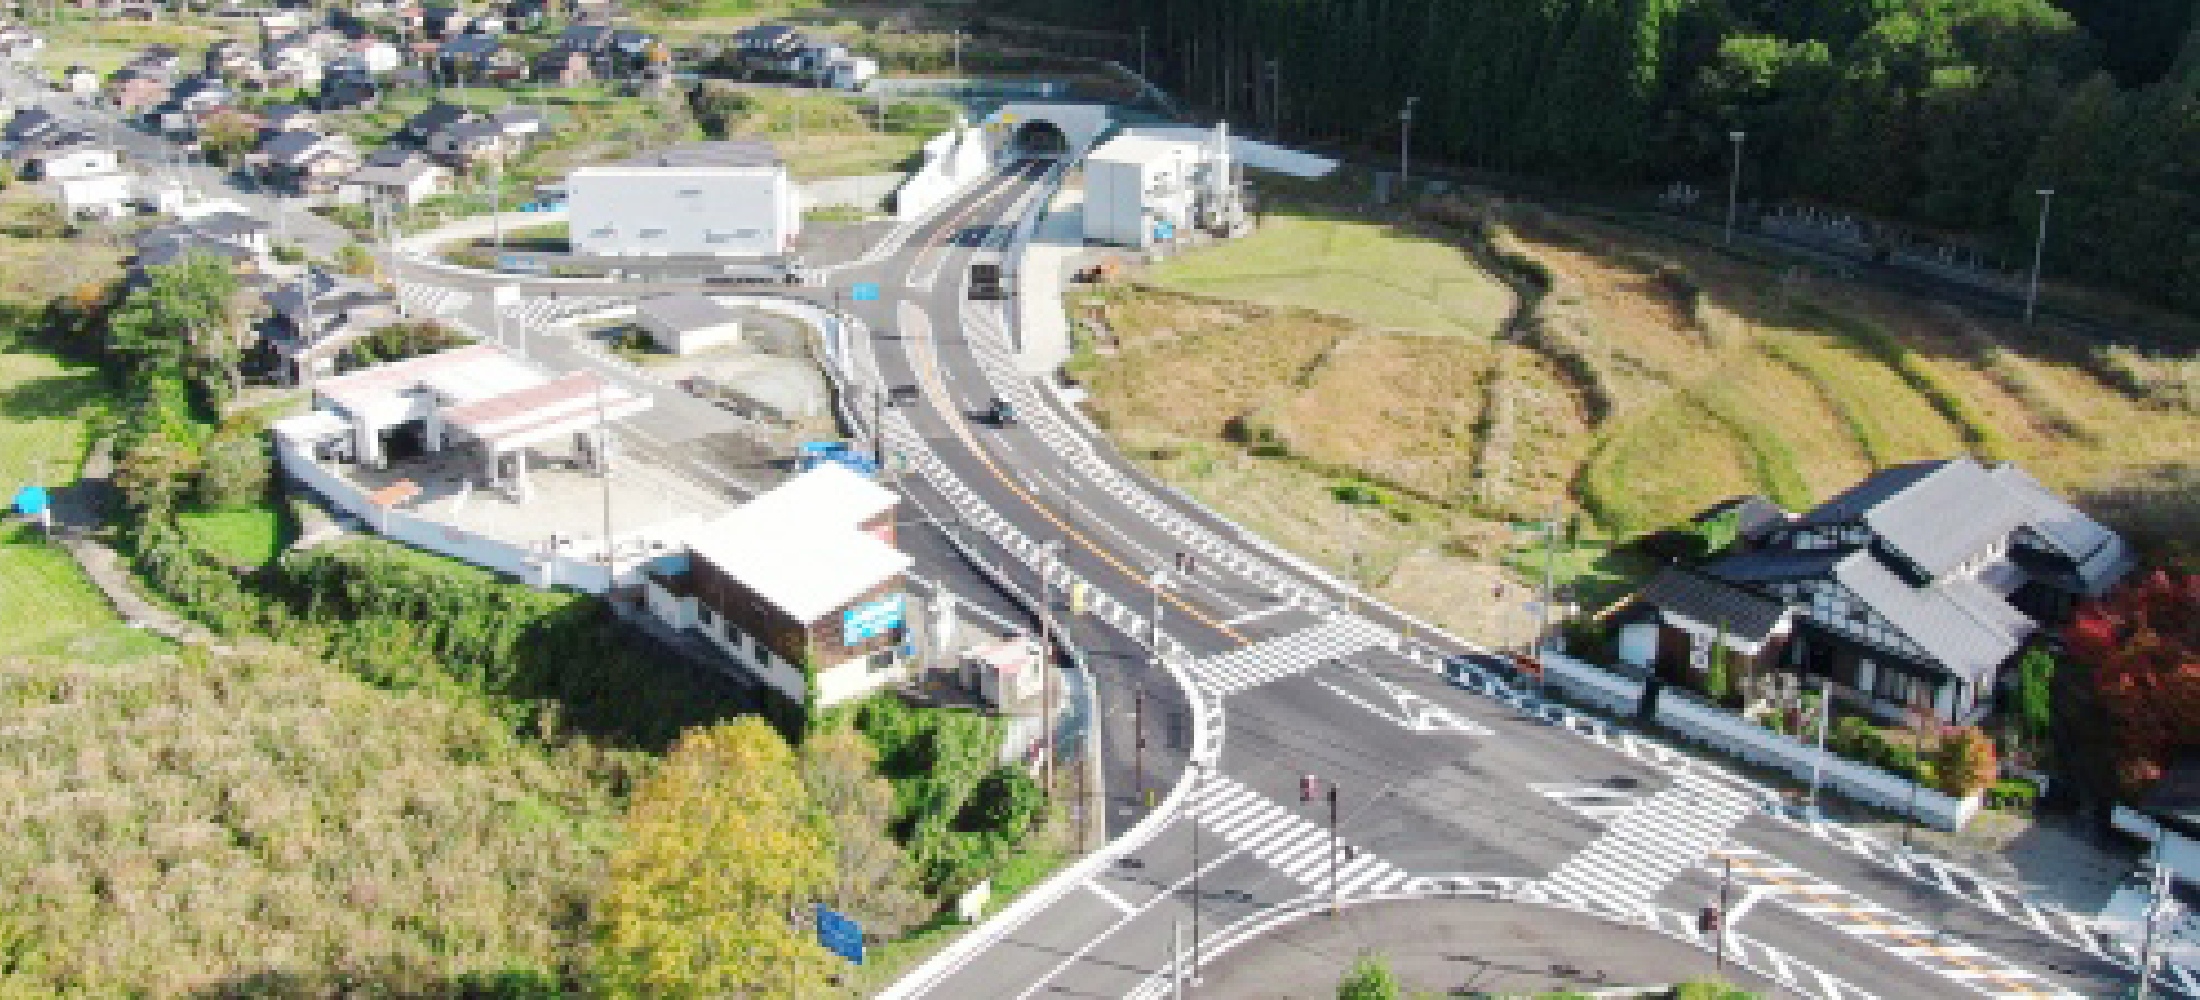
[1707, 922]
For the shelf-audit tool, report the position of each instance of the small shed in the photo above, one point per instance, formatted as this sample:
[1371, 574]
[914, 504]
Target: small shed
[1005, 672]
[686, 323]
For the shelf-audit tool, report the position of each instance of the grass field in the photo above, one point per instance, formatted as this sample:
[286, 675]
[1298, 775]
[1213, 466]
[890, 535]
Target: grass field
[49, 608]
[1350, 266]
[1675, 375]
[44, 406]
[252, 536]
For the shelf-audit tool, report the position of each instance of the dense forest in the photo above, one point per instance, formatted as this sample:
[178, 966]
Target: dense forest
[1946, 114]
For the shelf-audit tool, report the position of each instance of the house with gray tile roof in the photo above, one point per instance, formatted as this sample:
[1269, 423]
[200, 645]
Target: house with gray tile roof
[1914, 588]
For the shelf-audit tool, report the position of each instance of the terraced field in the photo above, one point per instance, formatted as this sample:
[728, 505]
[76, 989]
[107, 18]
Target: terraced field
[1344, 388]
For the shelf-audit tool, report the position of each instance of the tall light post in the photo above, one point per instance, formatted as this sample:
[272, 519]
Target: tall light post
[958, 53]
[1049, 552]
[1199, 776]
[1275, 98]
[2039, 255]
[1142, 54]
[1405, 145]
[1734, 183]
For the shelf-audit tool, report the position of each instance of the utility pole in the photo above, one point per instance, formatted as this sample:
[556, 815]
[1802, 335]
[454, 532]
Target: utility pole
[1335, 891]
[1142, 75]
[1405, 145]
[1734, 183]
[1817, 760]
[1275, 98]
[958, 53]
[1138, 727]
[1543, 610]
[1726, 885]
[603, 471]
[2039, 256]
[1176, 959]
[496, 206]
[1199, 779]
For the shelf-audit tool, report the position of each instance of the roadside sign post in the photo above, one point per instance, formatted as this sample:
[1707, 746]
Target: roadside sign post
[839, 934]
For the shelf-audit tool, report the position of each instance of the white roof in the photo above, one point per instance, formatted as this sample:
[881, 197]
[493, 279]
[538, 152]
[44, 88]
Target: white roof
[1250, 152]
[319, 425]
[1133, 148]
[798, 546]
[463, 375]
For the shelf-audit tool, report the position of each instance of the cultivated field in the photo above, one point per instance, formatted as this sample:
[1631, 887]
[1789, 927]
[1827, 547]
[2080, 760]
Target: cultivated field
[1292, 380]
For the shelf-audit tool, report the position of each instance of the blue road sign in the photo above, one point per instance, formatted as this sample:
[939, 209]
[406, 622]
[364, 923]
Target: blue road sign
[30, 500]
[839, 934]
[864, 291]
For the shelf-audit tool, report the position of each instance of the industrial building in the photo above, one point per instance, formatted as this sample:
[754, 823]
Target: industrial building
[706, 199]
[1143, 190]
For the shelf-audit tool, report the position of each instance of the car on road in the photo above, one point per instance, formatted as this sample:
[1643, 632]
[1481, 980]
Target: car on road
[1002, 413]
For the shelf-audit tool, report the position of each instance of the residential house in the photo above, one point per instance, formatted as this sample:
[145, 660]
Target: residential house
[290, 118]
[763, 42]
[307, 162]
[135, 88]
[526, 15]
[443, 22]
[348, 93]
[508, 66]
[435, 118]
[462, 144]
[227, 58]
[80, 82]
[401, 177]
[159, 57]
[71, 160]
[19, 43]
[1914, 588]
[225, 236]
[316, 316]
[467, 57]
[31, 128]
[565, 68]
[631, 45]
[520, 125]
[201, 93]
[591, 40]
[105, 195]
[367, 57]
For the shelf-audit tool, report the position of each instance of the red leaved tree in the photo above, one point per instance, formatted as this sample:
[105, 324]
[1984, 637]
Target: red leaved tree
[2142, 643]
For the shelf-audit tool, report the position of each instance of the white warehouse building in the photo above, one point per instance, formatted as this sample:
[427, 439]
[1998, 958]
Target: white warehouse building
[1146, 189]
[704, 199]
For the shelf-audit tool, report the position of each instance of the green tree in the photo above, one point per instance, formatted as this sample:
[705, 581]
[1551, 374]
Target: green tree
[234, 470]
[722, 850]
[227, 136]
[1370, 978]
[355, 260]
[871, 878]
[1007, 802]
[2035, 695]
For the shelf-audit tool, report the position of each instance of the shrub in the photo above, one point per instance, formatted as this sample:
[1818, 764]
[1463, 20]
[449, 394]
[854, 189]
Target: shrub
[1965, 762]
[2019, 794]
[1005, 802]
[234, 470]
[1370, 979]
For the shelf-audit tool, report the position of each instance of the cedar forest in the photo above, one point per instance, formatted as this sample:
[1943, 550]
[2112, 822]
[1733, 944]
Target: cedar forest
[1946, 115]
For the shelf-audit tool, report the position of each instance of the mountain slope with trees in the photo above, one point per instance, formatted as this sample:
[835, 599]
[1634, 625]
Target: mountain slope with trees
[1946, 114]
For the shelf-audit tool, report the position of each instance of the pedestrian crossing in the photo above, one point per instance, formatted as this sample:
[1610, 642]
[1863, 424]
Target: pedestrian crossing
[1646, 848]
[538, 313]
[432, 300]
[1290, 843]
[1248, 667]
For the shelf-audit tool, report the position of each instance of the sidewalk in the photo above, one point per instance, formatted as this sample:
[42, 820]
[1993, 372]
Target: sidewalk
[1056, 244]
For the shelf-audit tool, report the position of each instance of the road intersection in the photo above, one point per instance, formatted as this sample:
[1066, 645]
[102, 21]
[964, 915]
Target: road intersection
[1255, 671]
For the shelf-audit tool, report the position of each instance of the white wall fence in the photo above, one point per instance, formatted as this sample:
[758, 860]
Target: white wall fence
[952, 159]
[533, 566]
[1728, 733]
[866, 191]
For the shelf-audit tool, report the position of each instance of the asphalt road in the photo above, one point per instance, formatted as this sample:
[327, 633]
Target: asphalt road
[1436, 784]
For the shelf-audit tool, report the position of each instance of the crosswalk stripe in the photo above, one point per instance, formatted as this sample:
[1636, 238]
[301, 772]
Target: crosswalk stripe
[1292, 844]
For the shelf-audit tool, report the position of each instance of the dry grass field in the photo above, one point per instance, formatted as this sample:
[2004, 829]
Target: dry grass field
[1350, 391]
[261, 824]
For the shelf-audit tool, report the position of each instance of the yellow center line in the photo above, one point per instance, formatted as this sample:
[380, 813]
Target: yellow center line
[937, 388]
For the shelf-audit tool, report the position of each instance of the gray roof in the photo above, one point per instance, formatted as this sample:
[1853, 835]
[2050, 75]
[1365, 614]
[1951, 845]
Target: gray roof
[684, 311]
[1774, 565]
[727, 153]
[480, 129]
[400, 173]
[1703, 599]
[1936, 514]
[434, 118]
[2099, 554]
[1966, 628]
[290, 145]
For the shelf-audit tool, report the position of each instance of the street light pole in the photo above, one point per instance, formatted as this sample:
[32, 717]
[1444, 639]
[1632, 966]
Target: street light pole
[1048, 552]
[1405, 145]
[1734, 183]
[1199, 776]
[1138, 726]
[2039, 256]
[1159, 580]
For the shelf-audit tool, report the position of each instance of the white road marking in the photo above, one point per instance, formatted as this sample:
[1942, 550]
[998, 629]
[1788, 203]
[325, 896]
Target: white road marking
[1257, 614]
[1108, 896]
